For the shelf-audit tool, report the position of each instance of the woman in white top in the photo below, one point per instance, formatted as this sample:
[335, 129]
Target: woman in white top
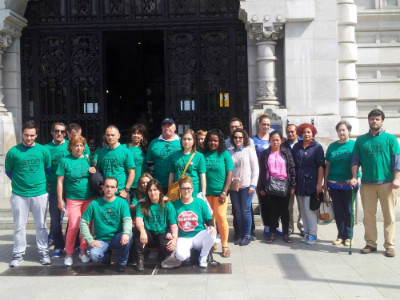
[244, 181]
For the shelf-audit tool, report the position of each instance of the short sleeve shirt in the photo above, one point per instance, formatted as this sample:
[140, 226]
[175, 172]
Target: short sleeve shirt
[76, 177]
[159, 218]
[140, 162]
[191, 217]
[57, 152]
[107, 217]
[216, 166]
[28, 167]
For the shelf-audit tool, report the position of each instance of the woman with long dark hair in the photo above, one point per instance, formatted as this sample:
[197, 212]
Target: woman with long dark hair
[155, 224]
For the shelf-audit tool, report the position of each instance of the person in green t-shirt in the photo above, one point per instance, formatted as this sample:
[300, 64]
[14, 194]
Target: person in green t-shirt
[116, 161]
[378, 154]
[196, 227]
[219, 166]
[26, 165]
[160, 151]
[112, 224]
[155, 224]
[73, 184]
[58, 148]
[337, 181]
[196, 168]
[138, 146]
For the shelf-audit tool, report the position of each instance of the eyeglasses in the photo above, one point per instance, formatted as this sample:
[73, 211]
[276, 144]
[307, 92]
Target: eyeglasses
[186, 189]
[238, 137]
[59, 131]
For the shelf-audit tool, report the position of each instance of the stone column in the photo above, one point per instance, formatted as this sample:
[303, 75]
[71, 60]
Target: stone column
[5, 42]
[265, 38]
[348, 85]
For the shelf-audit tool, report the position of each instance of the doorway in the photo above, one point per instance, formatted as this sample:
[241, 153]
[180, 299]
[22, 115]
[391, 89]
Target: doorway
[134, 79]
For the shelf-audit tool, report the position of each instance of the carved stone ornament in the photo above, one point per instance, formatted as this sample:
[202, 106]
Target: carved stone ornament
[5, 41]
[266, 89]
[259, 33]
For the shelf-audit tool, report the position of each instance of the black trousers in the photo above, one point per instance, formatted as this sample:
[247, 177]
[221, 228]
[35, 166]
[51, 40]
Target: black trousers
[277, 207]
[154, 240]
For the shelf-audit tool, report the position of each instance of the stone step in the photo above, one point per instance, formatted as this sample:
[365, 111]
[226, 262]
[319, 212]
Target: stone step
[7, 221]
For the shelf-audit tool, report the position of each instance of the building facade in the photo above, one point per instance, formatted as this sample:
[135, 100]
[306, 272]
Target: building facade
[199, 61]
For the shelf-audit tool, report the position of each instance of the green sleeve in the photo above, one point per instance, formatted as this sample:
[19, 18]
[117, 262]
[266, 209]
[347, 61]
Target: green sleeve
[228, 161]
[139, 213]
[61, 168]
[47, 158]
[134, 200]
[9, 162]
[356, 149]
[328, 153]
[95, 155]
[149, 152]
[84, 227]
[202, 164]
[172, 164]
[127, 225]
[129, 161]
[171, 213]
[87, 150]
[394, 147]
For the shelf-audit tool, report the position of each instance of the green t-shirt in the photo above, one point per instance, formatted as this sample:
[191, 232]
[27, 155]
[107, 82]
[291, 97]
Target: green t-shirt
[339, 157]
[57, 152]
[28, 167]
[76, 177]
[140, 162]
[375, 154]
[159, 153]
[217, 166]
[115, 163]
[191, 217]
[107, 216]
[196, 167]
[159, 220]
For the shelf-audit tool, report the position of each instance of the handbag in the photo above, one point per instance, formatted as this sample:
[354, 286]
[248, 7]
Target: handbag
[236, 179]
[277, 187]
[173, 189]
[326, 212]
[315, 201]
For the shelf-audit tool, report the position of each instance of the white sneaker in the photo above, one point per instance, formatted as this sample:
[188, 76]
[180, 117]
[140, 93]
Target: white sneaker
[84, 258]
[311, 240]
[68, 261]
[203, 261]
[171, 262]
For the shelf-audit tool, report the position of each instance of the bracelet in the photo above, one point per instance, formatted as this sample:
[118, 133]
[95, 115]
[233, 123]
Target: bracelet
[223, 192]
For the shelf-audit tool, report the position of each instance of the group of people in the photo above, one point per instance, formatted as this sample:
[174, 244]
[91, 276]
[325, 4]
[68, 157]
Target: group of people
[117, 198]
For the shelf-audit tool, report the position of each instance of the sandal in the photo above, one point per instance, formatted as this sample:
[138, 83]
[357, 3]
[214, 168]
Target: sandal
[271, 238]
[225, 252]
[287, 239]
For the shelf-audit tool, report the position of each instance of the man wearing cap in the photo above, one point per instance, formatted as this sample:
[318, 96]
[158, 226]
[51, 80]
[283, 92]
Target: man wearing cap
[160, 151]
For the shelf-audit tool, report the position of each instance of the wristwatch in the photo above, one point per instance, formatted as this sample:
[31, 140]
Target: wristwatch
[127, 190]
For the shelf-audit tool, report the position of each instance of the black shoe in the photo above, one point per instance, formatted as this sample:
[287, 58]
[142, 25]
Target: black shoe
[302, 233]
[121, 268]
[238, 241]
[140, 265]
[245, 241]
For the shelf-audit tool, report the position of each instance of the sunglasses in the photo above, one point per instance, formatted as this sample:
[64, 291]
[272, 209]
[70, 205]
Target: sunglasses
[59, 131]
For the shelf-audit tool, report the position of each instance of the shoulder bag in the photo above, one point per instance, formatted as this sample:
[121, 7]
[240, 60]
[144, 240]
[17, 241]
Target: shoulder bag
[173, 189]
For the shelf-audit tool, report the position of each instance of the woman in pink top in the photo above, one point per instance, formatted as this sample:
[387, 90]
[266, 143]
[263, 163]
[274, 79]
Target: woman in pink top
[276, 162]
[245, 173]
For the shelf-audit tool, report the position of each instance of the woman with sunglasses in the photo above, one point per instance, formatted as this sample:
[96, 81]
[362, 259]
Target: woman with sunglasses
[73, 181]
[244, 182]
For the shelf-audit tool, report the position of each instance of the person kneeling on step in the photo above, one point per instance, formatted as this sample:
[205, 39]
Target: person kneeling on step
[195, 224]
[112, 223]
[152, 220]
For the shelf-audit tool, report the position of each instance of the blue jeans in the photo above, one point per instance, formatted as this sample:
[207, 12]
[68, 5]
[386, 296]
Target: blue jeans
[342, 208]
[56, 217]
[104, 253]
[241, 200]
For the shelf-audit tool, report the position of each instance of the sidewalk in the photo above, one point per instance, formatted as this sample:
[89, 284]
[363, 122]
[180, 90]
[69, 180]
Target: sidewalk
[259, 271]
